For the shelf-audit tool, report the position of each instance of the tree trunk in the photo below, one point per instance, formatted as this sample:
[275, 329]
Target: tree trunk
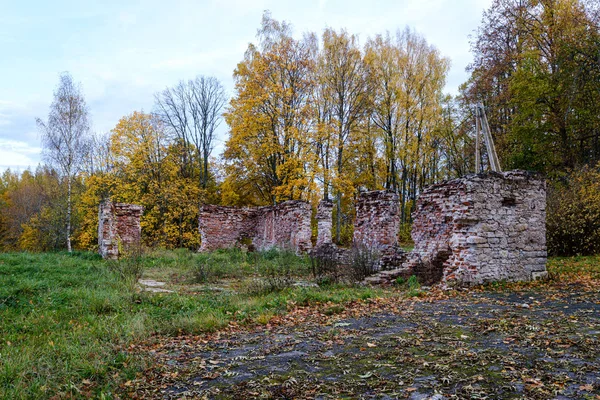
[69, 184]
[338, 217]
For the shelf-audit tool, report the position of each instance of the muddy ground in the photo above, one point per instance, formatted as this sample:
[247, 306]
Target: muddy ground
[495, 345]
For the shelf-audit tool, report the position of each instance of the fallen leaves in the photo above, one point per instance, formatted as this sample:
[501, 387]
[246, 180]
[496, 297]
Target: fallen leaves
[472, 345]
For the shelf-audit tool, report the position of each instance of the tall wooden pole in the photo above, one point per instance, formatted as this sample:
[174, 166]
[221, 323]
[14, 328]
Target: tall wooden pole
[493, 156]
[477, 139]
[482, 123]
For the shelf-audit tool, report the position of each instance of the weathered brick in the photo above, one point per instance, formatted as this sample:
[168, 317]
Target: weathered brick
[285, 226]
[119, 228]
[503, 226]
[324, 222]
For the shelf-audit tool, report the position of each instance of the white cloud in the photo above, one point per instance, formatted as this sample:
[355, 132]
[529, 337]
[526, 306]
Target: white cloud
[18, 155]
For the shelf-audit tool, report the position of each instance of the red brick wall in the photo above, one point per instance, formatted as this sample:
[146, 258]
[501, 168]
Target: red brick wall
[487, 227]
[284, 226]
[119, 228]
[377, 224]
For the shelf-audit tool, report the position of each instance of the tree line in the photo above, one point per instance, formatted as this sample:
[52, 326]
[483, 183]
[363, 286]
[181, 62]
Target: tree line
[321, 116]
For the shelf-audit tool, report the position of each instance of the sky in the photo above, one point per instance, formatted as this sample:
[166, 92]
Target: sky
[124, 51]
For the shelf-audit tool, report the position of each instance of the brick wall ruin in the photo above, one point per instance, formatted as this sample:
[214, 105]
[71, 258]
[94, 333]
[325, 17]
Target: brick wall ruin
[471, 230]
[285, 226]
[324, 222]
[119, 228]
[377, 219]
[481, 228]
[376, 226]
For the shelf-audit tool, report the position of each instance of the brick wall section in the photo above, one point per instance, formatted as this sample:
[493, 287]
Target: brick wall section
[119, 228]
[376, 226]
[377, 219]
[324, 222]
[225, 227]
[285, 226]
[481, 228]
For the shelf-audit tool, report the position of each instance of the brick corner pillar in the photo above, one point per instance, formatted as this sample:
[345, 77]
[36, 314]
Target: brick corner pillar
[324, 222]
[107, 246]
[118, 227]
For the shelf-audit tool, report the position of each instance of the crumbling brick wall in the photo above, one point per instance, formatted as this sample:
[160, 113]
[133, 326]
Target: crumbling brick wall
[225, 227]
[324, 222]
[119, 228]
[481, 228]
[285, 225]
[376, 226]
[326, 255]
[377, 219]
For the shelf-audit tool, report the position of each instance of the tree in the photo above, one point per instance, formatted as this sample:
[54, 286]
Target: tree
[145, 170]
[65, 138]
[269, 116]
[536, 69]
[192, 111]
[343, 77]
[407, 77]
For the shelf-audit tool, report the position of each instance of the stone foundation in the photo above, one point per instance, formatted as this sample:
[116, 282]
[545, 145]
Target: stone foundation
[283, 226]
[481, 228]
[119, 230]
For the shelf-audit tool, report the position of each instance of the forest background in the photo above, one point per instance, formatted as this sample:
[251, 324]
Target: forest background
[324, 116]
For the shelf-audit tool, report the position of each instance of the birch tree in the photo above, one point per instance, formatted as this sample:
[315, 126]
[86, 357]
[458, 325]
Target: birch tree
[65, 138]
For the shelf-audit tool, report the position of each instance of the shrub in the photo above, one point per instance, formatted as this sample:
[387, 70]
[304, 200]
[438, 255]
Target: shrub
[277, 269]
[327, 263]
[130, 266]
[573, 214]
[364, 262]
[332, 264]
[274, 281]
[414, 287]
[203, 270]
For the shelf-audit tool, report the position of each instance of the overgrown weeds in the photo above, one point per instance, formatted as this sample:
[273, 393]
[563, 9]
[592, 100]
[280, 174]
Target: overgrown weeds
[331, 264]
[364, 261]
[276, 273]
[238, 264]
[327, 264]
[411, 285]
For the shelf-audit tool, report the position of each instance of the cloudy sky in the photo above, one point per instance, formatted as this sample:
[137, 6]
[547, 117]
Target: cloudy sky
[123, 51]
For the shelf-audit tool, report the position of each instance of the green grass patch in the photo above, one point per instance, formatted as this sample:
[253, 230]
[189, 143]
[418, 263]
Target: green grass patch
[578, 267]
[68, 319]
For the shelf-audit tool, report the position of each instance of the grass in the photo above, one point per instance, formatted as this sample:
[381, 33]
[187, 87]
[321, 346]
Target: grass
[575, 268]
[68, 319]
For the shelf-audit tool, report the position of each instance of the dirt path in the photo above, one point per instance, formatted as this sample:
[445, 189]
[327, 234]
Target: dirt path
[484, 345]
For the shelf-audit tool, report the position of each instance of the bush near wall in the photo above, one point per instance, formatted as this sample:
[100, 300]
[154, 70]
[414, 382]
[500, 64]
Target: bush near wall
[573, 214]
